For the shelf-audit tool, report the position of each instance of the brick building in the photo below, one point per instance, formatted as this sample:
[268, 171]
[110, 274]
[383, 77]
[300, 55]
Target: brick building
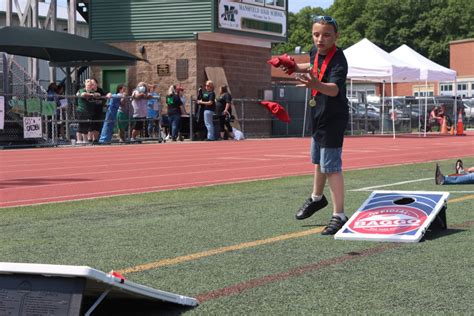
[182, 38]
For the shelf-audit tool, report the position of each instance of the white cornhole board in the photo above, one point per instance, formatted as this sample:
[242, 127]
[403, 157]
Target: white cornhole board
[396, 216]
[34, 286]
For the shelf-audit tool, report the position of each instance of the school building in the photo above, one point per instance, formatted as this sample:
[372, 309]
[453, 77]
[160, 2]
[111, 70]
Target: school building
[188, 42]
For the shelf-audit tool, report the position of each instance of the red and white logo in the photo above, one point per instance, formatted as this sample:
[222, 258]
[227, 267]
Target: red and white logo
[388, 220]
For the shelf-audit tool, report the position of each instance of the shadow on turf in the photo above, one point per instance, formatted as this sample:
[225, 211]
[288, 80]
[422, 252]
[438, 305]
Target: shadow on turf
[435, 234]
[137, 308]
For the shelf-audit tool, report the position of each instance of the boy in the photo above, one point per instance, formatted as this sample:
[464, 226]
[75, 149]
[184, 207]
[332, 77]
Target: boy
[326, 75]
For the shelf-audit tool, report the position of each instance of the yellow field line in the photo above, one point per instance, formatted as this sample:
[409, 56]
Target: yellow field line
[462, 198]
[216, 251]
[212, 252]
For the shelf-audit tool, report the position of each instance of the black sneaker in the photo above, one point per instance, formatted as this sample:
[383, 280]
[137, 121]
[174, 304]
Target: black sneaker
[310, 207]
[439, 178]
[334, 225]
[459, 167]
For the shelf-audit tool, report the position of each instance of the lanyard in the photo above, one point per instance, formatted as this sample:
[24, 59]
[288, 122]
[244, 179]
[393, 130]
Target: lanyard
[326, 61]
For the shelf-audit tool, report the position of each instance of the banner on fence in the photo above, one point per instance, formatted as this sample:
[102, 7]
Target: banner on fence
[32, 127]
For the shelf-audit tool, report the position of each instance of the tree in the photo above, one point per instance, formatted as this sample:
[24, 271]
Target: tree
[299, 31]
[427, 26]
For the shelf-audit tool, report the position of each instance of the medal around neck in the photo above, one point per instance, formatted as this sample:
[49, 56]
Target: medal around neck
[312, 103]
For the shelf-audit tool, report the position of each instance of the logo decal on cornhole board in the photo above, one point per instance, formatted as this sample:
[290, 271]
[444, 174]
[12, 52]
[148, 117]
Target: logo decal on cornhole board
[394, 216]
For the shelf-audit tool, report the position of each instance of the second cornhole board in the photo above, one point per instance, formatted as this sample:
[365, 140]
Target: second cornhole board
[396, 216]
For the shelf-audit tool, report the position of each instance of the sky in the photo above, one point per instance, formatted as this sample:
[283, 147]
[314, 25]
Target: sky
[296, 5]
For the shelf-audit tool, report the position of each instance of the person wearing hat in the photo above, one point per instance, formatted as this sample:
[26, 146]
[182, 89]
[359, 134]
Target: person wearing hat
[140, 98]
[326, 76]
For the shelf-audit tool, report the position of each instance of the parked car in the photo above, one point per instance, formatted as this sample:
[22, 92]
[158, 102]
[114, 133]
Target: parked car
[468, 108]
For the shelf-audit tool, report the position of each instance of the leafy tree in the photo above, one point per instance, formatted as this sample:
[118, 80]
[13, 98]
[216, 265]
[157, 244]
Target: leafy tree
[299, 31]
[427, 26]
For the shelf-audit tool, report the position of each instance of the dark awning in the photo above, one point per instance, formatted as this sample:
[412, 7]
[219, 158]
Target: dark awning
[61, 49]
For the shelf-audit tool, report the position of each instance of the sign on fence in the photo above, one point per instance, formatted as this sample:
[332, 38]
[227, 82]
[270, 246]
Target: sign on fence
[32, 127]
[2, 111]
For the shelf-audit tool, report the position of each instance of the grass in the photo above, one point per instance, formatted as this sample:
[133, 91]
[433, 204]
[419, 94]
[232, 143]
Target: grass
[311, 274]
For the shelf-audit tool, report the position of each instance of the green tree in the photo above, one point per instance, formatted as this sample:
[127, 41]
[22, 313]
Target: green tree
[299, 31]
[427, 26]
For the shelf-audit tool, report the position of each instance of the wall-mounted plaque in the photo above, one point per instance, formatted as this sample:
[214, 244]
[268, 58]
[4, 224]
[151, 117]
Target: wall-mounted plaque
[163, 69]
[181, 69]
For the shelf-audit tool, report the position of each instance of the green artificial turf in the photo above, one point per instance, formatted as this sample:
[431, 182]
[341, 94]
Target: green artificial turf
[430, 277]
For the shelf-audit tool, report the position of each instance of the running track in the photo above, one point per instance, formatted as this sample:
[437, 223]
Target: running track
[34, 176]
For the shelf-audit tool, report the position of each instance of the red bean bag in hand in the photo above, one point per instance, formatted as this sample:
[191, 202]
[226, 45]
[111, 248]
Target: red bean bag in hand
[277, 110]
[285, 61]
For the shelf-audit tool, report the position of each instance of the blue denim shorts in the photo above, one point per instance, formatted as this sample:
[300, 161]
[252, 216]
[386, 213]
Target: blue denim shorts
[330, 159]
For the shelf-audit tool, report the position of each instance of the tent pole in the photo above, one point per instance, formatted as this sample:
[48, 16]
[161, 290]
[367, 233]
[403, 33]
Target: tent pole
[455, 103]
[350, 111]
[305, 110]
[426, 103]
[383, 105]
[394, 114]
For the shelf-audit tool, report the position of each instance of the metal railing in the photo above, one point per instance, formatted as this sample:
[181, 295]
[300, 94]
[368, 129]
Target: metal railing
[59, 120]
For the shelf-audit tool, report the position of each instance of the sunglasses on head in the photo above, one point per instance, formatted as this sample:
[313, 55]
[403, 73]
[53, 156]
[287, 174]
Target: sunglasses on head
[326, 19]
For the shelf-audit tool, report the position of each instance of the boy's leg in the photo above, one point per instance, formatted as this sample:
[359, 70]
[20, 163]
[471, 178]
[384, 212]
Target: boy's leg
[317, 200]
[331, 162]
[336, 184]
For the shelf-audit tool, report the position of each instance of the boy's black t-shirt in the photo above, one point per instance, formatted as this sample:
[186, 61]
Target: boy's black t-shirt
[331, 114]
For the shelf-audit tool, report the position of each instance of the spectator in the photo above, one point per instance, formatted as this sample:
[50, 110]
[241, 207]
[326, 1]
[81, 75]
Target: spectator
[209, 102]
[175, 108]
[52, 91]
[140, 97]
[112, 110]
[200, 129]
[125, 111]
[154, 112]
[224, 111]
[89, 111]
[180, 91]
[461, 177]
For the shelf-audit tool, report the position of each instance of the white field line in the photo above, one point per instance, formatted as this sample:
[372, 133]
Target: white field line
[390, 184]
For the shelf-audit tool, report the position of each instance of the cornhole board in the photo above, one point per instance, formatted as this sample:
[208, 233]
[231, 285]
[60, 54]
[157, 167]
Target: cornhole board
[43, 289]
[396, 216]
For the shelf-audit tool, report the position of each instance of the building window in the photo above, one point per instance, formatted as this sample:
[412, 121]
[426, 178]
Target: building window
[462, 86]
[278, 4]
[261, 2]
[446, 87]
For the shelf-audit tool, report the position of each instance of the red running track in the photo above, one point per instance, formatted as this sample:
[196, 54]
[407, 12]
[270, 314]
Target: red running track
[34, 176]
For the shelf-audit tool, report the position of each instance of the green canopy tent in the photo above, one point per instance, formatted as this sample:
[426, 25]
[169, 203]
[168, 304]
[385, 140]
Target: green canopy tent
[61, 49]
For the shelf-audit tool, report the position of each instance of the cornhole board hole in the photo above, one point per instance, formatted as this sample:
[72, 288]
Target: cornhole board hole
[396, 216]
[43, 289]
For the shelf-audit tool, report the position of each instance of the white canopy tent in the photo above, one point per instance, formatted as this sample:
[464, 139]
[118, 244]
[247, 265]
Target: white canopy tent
[368, 62]
[429, 70]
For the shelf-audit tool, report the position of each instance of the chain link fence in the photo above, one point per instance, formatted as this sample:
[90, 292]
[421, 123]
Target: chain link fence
[55, 121]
